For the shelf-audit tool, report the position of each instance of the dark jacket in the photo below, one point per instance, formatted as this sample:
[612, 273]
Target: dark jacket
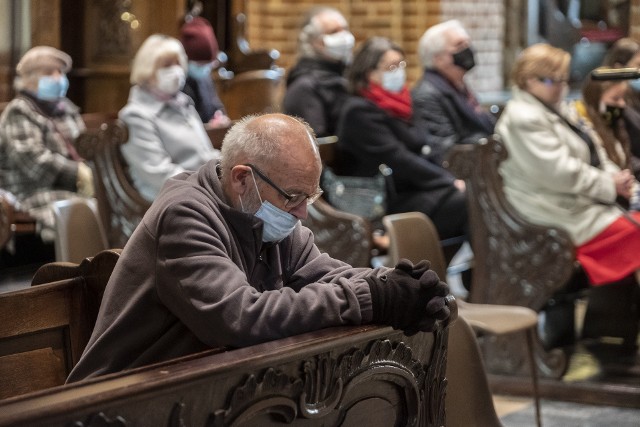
[368, 136]
[205, 97]
[315, 91]
[195, 275]
[447, 114]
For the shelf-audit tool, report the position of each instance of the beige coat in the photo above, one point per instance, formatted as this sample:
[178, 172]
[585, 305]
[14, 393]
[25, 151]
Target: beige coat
[547, 175]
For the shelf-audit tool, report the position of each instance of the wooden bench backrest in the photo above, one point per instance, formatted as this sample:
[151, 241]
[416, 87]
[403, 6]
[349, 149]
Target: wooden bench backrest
[251, 92]
[351, 376]
[516, 262]
[44, 328]
[342, 235]
[121, 206]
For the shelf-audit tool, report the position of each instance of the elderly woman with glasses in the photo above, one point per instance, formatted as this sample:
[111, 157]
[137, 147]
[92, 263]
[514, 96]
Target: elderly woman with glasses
[557, 172]
[376, 127]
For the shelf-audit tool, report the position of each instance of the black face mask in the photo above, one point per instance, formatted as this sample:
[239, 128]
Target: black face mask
[612, 114]
[464, 59]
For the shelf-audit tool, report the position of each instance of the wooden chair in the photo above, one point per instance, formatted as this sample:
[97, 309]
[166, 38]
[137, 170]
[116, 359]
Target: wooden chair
[44, 329]
[251, 92]
[414, 237]
[342, 235]
[121, 206]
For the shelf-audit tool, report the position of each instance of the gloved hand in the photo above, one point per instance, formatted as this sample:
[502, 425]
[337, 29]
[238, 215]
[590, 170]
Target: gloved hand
[84, 180]
[406, 302]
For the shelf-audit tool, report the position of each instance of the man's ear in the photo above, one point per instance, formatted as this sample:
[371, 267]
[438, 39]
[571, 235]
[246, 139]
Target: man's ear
[240, 179]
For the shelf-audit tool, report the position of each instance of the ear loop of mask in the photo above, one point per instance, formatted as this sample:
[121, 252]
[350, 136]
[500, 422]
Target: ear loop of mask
[255, 184]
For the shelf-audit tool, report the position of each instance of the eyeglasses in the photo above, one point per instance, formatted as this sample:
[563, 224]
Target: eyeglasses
[293, 200]
[393, 67]
[552, 81]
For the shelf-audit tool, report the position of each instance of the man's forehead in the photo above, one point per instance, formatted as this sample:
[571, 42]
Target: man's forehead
[331, 21]
[456, 38]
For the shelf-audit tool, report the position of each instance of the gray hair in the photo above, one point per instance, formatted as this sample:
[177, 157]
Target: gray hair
[261, 143]
[154, 47]
[434, 40]
[311, 31]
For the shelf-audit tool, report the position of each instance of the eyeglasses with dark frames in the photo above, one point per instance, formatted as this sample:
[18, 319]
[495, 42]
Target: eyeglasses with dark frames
[293, 200]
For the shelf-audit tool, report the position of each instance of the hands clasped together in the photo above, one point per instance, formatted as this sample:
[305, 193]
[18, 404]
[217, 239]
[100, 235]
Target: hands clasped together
[409, 297]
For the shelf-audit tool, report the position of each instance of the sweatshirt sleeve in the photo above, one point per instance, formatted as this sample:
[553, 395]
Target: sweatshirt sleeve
[202, 285]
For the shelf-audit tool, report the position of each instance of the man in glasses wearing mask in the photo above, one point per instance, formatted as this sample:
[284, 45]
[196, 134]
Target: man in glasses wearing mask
[221, 260]
[315, 85]
[443, 104]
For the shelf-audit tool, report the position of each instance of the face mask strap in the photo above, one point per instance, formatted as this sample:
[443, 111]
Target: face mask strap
[255, 184]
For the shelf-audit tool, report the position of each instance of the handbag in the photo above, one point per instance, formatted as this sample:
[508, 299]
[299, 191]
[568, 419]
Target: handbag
[363, 196]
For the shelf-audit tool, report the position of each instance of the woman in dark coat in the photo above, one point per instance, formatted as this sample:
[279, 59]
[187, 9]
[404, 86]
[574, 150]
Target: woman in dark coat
[376, 128]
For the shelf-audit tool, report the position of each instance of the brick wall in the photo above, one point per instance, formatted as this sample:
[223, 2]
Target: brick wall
[634, 19]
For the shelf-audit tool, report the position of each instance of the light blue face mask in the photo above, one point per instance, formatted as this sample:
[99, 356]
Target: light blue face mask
[278, 224]
[199, 71]
[635, 85]
[393, 81]
[51, 88]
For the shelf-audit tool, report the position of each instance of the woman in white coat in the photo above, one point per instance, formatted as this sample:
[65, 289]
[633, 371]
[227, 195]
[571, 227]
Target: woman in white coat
[166, 135]
[556, 174]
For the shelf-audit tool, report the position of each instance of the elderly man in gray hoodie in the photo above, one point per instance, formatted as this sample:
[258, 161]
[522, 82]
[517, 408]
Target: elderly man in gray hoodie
[221, 260]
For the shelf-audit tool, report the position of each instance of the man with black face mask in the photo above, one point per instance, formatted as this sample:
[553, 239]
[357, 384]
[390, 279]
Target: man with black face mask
[443, 104]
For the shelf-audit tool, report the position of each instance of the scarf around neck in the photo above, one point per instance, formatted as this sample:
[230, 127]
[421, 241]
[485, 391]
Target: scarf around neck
[396, 104]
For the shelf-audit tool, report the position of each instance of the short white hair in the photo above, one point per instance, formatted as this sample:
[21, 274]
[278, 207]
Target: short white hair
[434, 40]
[311, 29]
[154, 47]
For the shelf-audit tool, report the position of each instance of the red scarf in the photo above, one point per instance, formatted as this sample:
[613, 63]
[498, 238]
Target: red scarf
[396, 104]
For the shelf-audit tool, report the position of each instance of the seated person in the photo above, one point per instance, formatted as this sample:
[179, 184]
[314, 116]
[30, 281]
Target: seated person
[376, 128]
[443, 104]
[316, 86]
[622, 54]
[38, 163]
[603, 104]
[201, 47]
[166, 135]
[555, 175]
[221, 260]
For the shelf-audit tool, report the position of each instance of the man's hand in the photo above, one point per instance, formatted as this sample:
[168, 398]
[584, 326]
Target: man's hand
[409, 297]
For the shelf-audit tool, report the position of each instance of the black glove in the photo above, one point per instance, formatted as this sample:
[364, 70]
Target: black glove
[406, 302]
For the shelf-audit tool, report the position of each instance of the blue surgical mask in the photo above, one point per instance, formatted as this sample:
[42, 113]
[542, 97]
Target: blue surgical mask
[277, 224]
[200, 71]
[51, 88]
[635, 85]
[393, 81]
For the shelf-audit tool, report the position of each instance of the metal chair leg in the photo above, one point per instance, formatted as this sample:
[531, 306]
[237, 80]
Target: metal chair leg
[534, 375]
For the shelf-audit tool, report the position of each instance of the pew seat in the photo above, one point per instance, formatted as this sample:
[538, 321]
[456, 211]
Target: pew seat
[44, 328]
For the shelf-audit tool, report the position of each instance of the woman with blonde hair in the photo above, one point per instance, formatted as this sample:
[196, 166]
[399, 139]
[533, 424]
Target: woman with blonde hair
[166, 134]
[557, 175]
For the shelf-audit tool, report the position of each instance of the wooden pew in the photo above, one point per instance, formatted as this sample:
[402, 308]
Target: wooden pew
[121, 206]
[242, 57]
[521, 263]
[354, 376]
[44, 329]
[251, 92]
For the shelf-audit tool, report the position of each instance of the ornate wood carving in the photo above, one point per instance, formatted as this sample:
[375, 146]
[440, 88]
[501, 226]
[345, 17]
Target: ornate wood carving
[121, 206]
[353, 376]
[516, 262]
[342, 235]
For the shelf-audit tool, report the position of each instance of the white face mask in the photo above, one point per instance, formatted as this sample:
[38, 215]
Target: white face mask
[393, 81]
[339, 45]
[170, 79]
